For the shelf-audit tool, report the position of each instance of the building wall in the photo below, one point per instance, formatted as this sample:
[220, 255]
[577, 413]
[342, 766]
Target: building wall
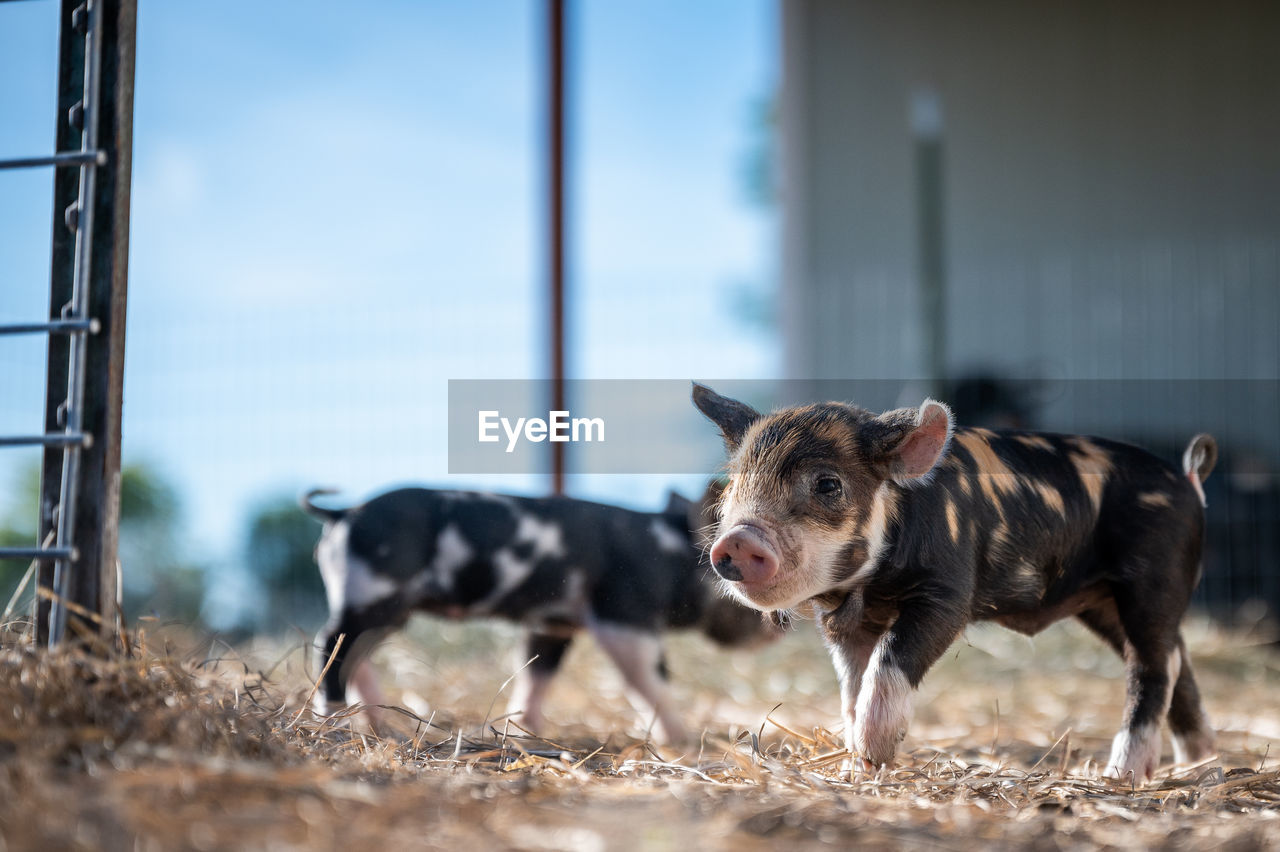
[1111, 201]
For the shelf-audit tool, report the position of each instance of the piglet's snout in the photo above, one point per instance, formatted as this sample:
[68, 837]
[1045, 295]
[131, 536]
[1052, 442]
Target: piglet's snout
[744, 555]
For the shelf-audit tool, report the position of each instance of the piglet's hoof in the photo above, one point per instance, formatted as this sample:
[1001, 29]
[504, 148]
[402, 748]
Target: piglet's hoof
[856, 769]
[1134, 755]
[334, 714]
[883, 713]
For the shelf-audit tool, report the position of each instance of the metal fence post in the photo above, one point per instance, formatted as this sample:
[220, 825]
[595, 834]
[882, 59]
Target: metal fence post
[92, 581]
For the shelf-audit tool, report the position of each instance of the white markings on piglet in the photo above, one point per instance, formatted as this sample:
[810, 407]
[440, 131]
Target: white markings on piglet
[1137, 751]
[883, 710]
[1174, 665]
[668, 537]
[545, 536]
[452, 553]
[544, 539]
[877, 525]
[331, 556]
[1155, 500]
[1135, 754]
[850, 660]
[348, 580]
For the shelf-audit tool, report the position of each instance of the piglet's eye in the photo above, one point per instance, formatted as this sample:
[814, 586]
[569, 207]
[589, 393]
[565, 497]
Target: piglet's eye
[828, 486]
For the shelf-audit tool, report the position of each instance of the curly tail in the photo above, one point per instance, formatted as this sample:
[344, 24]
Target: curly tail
[328, 515]
[1198, 461]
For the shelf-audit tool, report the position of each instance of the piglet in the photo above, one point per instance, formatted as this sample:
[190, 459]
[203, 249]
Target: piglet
[556, 565]
[899, 529]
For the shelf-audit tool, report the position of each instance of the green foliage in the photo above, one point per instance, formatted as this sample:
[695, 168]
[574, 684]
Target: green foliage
[145, 498]
[278, 550]
[754, 302]
[18, 527]
[157, 578]
[759, 168]
[160, 578]
[11, 570]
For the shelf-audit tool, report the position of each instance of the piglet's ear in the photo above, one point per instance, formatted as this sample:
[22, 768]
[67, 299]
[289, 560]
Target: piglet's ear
[908, 443]
[677, 504]
[733, 417]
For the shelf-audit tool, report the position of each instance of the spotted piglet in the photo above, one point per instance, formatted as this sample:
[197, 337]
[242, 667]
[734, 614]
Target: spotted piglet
[899, 529]
[556, 565]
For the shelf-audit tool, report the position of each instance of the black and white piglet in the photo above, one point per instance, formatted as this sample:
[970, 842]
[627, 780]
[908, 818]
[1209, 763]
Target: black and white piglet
[556, 565]
[899, 529]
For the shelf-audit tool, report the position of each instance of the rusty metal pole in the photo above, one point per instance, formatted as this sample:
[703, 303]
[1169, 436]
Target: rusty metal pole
[556, 212]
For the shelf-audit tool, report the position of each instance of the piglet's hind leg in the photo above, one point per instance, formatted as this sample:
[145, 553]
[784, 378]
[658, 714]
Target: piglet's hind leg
[1193, 738]
[539, 660]
[638, 655]
[1153, 663]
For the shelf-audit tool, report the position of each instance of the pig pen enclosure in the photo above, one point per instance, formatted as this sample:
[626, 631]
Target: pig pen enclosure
[187, 743]
[150, 732]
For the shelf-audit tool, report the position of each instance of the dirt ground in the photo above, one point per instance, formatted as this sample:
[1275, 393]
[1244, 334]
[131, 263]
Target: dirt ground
[190, 744]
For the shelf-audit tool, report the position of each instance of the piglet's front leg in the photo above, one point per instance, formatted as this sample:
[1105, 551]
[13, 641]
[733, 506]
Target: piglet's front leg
[850, 639]
[922, 632]
[850, 657]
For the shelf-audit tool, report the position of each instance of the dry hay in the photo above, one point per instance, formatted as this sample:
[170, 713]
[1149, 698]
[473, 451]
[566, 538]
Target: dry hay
[166, 748]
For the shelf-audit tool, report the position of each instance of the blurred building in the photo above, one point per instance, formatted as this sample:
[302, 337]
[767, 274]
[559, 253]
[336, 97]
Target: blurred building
[1082, 194]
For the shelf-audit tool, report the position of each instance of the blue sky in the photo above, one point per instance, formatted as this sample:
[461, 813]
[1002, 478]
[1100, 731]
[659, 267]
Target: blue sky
[336, 213]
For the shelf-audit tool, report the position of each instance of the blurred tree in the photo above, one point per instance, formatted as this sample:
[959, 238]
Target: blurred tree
[18, 526]
[278, 551]
[11, 570]
[755, 302]
[156, 577]
[759, 168]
